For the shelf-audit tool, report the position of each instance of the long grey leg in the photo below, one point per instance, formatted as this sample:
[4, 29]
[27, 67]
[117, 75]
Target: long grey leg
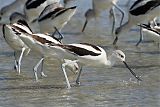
[65, 75]
[117, 7]
[112, 13]
[141, 36]
[20, 59]
[64, 71]
[42, 73]
[15, 62]
[78, 77]
[36, 67]
[115, 40]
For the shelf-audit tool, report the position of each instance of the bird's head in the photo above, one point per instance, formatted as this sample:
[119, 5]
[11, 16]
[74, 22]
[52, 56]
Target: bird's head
[88, 16]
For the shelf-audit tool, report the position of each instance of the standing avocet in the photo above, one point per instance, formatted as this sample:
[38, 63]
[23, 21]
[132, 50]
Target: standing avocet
[55, 15]
[39, 43]
[98, 7]
[141, 10]
[89, 55]
[11, 36]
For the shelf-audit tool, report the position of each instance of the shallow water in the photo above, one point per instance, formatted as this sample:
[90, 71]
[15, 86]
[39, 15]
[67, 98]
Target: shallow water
[112, 87]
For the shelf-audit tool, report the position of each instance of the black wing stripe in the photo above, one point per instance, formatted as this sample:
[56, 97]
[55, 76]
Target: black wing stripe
[135, 3]
[19, 29]
[63, 11]
[93, 46]
[24, 23]
[34, 3]
[144, 8]
[148, 28]
[79, 51]
[50, 14]
[15, 31]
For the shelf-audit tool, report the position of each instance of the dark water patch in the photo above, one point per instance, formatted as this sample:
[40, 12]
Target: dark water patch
[10, 88]
[72, 33]
[145, 52]
[135, 41]
[134, 30]
[7, 79]
[7, 54]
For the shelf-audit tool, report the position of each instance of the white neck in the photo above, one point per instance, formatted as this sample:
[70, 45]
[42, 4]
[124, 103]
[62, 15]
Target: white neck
[111, 60]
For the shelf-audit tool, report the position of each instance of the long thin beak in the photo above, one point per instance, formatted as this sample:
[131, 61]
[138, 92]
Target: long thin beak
[134, 74]
[84, 25]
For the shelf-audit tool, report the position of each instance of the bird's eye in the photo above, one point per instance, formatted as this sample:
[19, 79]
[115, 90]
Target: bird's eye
[121, 55]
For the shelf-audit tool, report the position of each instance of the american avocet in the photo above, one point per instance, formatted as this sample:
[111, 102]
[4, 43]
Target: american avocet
[33, 8]
[11, 36]
[55, 15]
[98, 7]
[5, 12]
[89, 55]
[141, 10]
[153, 32]
[39, 43]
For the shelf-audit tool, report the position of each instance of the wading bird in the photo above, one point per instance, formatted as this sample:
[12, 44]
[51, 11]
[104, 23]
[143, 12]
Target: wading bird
[11, 36]
[88, 55]
[39, 43]
[141, 10]
[98, 7]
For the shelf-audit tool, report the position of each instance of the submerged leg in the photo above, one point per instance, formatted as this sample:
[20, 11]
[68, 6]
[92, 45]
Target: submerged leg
[42, 73]
[141, 36]
[115, 40]
[64, 71]
[74, 67]
[112, 13]
[65, 75]
[78, 77]
[20, 60]
[117, 7]
[36, 67]
[15, 62]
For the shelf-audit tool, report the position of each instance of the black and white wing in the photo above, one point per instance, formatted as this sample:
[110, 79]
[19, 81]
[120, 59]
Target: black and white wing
[83, 49]
[149, 28]
[49, 11]
[141, 7]
[30, 4]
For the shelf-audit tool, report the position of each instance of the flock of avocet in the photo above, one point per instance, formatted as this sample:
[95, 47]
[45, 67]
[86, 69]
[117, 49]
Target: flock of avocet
[33, 24]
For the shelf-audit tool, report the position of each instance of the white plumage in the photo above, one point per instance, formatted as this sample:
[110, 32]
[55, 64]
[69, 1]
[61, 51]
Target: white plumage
[88, 55]
[10, 34]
